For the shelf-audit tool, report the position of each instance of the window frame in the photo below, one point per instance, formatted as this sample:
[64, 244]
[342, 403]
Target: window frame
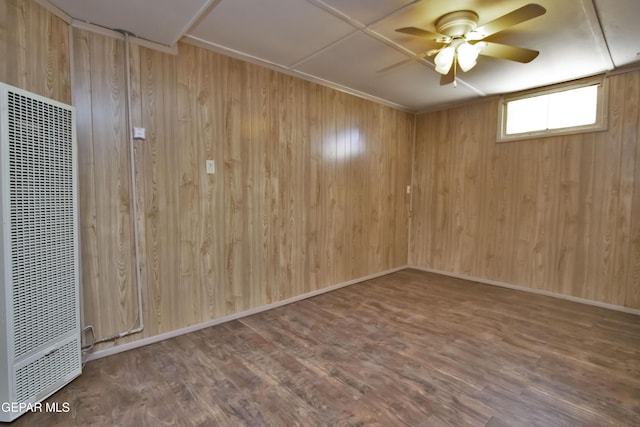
[602, 108]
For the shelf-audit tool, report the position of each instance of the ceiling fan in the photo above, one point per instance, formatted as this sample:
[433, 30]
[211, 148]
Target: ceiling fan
[463, 40]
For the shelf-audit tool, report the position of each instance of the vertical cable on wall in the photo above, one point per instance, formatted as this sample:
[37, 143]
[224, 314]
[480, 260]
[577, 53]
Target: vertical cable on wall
[134, 196]
[134, 187]
[412, 188]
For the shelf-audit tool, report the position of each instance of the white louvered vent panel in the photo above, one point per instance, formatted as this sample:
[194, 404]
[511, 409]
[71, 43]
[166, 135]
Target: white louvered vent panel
[42, 221]
[45, 371]
[40, 316]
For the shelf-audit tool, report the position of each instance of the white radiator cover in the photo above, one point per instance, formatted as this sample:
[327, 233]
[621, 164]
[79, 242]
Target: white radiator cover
[39, 298]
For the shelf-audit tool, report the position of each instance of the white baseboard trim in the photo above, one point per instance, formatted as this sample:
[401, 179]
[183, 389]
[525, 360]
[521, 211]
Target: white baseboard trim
[530, 290]
[171, 334]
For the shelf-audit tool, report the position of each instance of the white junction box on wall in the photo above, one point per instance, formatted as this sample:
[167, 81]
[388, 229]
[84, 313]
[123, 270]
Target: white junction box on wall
[139, 133]
[40, 315]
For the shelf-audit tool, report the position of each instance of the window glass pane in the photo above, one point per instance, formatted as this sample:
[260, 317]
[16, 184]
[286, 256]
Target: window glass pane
[575, 107]
[564, 109]
[527, 115]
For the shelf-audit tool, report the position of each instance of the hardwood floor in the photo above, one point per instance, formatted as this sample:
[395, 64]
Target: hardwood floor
[410, 348]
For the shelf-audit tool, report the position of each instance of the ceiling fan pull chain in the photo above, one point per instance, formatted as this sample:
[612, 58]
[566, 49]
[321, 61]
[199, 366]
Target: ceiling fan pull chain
[455, 70]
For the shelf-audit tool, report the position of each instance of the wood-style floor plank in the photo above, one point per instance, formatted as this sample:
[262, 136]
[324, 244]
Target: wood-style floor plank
[411, 348]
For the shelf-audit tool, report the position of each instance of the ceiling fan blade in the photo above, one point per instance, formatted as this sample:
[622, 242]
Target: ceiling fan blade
[419, 32]
[516, 17]
[503, 51]
[448, 78]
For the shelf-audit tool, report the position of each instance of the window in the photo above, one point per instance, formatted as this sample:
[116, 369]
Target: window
[562, 109]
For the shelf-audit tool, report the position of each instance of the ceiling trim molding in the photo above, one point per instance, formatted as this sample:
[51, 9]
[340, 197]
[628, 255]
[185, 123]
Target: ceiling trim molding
[338, 14]
[203, 12]
[599, 38]
[460, 103]
[75, 23]
[629, 68]
[323, 49]
[341, 88]
[195, 41]
[55, 10]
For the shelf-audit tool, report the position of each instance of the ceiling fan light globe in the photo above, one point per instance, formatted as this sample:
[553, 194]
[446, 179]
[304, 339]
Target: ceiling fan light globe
[444, 60]
[443, 69]
[466, 66]
[467, 56]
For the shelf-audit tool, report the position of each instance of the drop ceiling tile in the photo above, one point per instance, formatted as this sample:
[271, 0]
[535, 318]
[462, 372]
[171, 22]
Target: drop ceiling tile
[281, 32]
[160, 21]
[367, 11]
[621, 29]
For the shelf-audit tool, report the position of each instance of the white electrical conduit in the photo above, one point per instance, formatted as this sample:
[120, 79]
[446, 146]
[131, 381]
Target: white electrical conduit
[134, 196]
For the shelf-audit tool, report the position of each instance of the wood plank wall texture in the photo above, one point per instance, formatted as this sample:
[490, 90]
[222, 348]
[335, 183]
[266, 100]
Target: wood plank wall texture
[34, 50]
[283, 215]
[559, 214]
[308, 193]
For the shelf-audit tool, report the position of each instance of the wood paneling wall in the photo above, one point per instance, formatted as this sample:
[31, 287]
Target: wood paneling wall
[106, 222]
[559, 214]
[309, 189]
[34, 50]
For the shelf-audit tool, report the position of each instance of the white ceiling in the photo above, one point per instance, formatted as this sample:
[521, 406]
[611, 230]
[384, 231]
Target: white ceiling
[345, 43]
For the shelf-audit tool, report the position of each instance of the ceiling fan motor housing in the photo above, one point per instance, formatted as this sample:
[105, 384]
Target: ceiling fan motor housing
[458, 23]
